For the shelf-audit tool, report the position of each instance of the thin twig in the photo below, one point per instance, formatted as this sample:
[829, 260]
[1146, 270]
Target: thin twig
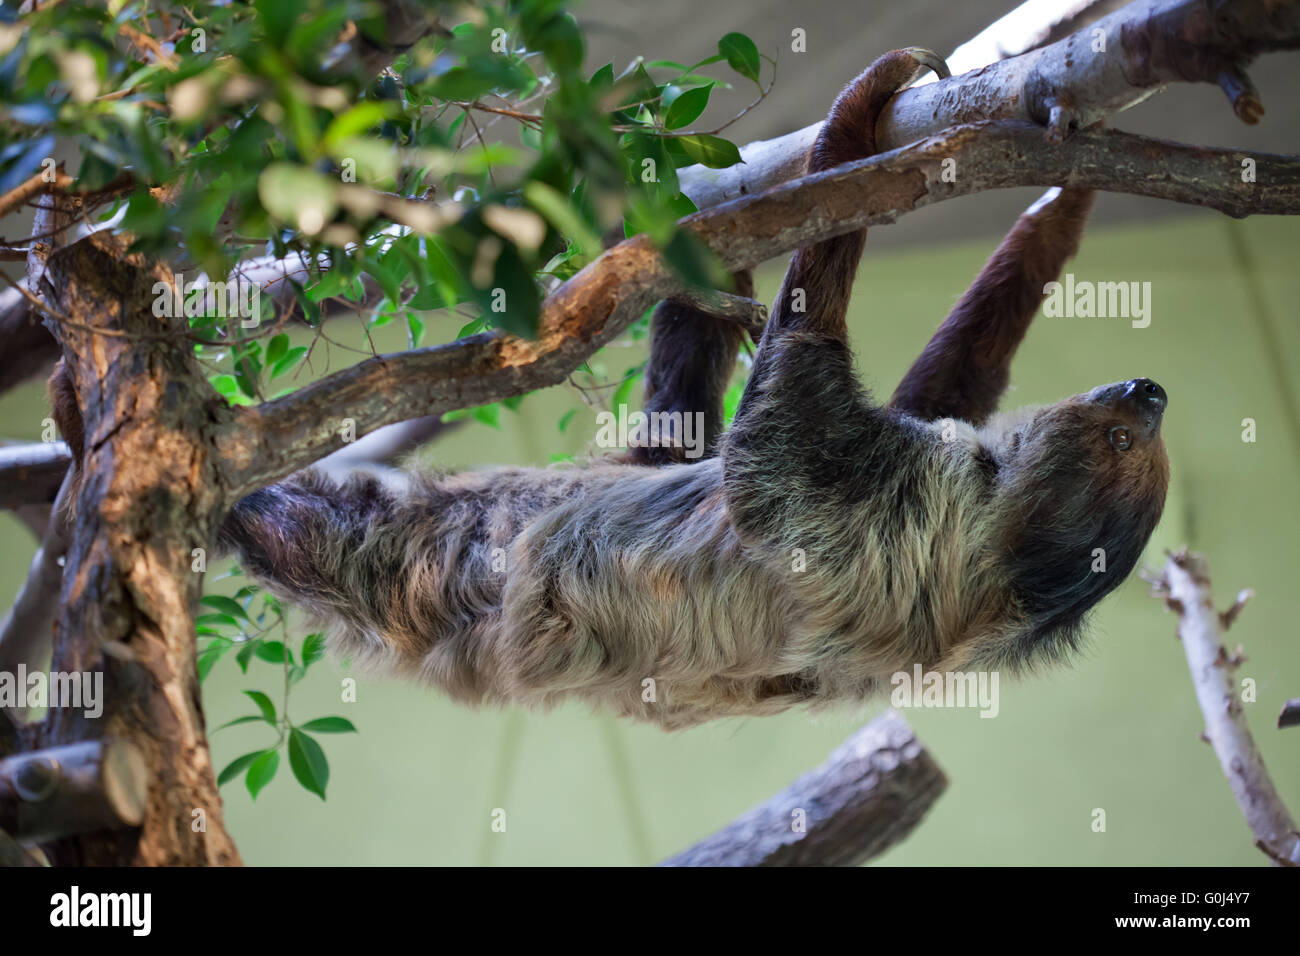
[1186, 590]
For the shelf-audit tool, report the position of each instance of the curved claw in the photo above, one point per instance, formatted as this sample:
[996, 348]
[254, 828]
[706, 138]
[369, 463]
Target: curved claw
[1060, 119]
[927, 59]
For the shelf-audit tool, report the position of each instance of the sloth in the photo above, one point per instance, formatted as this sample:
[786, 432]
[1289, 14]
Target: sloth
[824, 543]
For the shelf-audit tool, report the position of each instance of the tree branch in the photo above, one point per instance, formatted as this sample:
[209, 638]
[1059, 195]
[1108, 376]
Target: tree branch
[31, 473]
[28, 626]
[868, 796]
[271, 440]
[1185, 586]
[79, 788]
[1290, 715]
[148, 503]
[1149, 44]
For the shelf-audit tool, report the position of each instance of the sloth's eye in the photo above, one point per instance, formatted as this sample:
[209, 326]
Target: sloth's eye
[1120, 439]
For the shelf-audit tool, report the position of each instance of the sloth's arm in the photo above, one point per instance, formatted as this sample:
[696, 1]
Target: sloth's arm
[692, 356]
[806, 440]
[964, 369]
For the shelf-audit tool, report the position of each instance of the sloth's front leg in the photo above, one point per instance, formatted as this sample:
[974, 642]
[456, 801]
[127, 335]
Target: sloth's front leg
[806, 441]
[966, 366]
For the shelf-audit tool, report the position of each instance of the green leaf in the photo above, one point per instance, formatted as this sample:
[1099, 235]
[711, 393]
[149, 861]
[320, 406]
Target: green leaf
[713, 151]
[741, 54]
[356, 120]
[210, 656]
[329, 725]
[488, 414]
[262, 771]
[274, 652]
[224, 604]
[289, 362]
[472, 328]
[313, 648]
[277, 348]
[559, 212]
[331, 284]
[686, 106]
[414, 331]
[566, 418]
[298, 195]
[561, 40]
[308, 762]
[278, 17]
[250, 719]
[210, 619]
[695, 262]
[236, 767]
[263, 704]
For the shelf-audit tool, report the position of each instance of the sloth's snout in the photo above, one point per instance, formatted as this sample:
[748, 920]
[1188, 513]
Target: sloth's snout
[1142, 397]
[1147, 394]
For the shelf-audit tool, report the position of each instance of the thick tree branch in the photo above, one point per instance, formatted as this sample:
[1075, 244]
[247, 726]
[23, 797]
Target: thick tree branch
[1185, 586]
[868, 796]
[1031, 25]
[1149, 44]
[147, 505]
[276, 438]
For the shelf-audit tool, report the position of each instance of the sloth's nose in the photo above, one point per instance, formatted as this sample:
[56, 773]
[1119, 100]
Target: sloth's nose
[1147, 393]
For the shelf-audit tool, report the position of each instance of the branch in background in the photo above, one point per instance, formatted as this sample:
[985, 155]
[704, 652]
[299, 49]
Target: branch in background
[1149, 44]
[1184, 584]
[27, 630]
[266, 442]
[29, 349]
[32, 473]
[1027, 27]
[79, 788]
[1290, 716]
[384, 447]
[868, 796]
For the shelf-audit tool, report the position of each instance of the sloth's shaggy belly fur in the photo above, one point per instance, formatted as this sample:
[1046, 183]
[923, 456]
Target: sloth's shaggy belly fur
[628, 587]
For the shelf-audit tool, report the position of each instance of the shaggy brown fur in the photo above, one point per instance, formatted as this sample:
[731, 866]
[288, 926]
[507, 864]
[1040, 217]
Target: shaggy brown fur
[829, 544]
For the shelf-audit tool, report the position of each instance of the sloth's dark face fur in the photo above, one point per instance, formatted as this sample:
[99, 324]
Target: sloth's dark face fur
[1084, 477]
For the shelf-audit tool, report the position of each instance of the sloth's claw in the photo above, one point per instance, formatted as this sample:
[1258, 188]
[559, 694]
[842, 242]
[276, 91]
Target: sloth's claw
[927, 59]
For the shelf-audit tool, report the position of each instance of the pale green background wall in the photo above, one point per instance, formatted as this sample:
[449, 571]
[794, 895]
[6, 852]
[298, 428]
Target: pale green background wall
[1117, 731]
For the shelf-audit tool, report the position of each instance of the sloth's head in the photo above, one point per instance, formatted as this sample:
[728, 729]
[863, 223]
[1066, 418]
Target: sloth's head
[1081, 485]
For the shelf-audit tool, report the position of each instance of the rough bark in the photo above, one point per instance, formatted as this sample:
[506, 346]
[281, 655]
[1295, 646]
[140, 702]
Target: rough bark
[868, 796]
[271, 440]
[1149, 44]
[149, 497]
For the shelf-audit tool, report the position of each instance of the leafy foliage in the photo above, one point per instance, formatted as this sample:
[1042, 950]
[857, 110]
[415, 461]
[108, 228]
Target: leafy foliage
[478, 170]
